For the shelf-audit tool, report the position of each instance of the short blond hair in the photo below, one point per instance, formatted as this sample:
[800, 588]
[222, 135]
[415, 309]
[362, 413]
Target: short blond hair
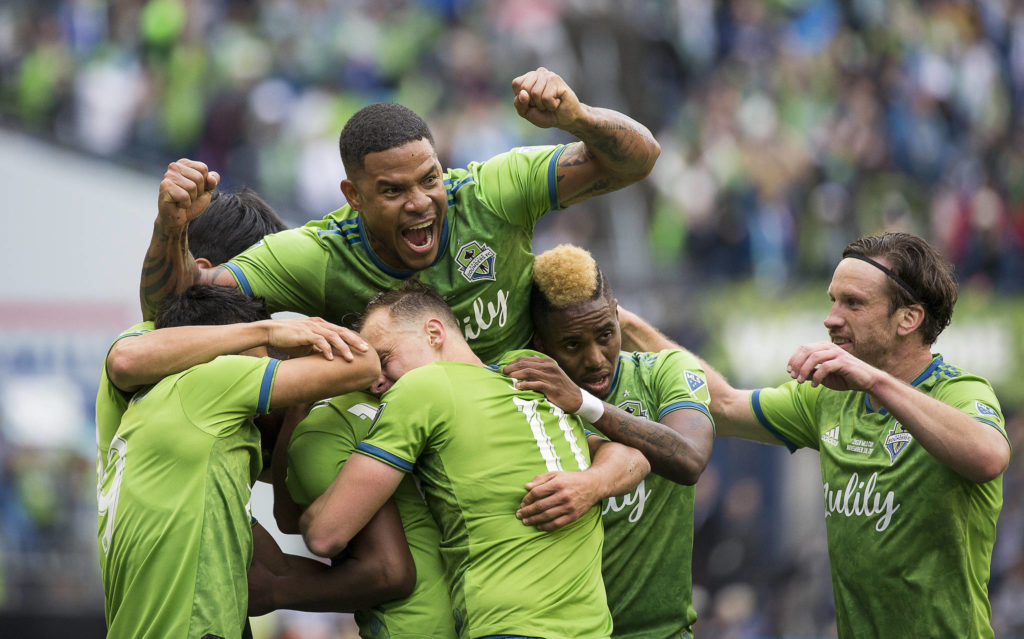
[566, 275]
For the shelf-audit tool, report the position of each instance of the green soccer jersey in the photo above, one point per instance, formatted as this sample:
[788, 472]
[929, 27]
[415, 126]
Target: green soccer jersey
[484, 265]
[111, 401]
[175, 535]
[475, 441]
[320, 445]
[909, 539]
[648, 535]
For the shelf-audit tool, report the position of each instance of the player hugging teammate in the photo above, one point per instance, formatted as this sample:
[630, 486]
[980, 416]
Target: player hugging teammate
[459, 485]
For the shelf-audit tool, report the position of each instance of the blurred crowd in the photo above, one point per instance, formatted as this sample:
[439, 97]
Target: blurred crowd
[787, 127]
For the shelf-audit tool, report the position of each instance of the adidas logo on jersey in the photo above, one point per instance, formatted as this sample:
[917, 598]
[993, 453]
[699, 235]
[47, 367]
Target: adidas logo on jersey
[694, 381]
[831, 437]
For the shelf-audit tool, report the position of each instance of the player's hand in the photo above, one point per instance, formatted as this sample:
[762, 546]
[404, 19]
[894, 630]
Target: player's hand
[544, 99]
[185, 192]
[828, 364]
[542, 374]
[556, 499]
[261, 589]
[300, 336]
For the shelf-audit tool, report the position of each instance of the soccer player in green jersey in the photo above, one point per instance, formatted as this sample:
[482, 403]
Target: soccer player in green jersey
[175, 536]
[473, 440]
[318, 448]
[654, 402]
[912, 448]
[466, 231]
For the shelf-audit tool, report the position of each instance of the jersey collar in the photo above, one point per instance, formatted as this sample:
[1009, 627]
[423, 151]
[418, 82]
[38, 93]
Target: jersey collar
[925, 374]
[402, 274]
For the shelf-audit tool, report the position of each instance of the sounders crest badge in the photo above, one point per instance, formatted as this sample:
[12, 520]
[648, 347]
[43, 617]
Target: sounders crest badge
[633, 407]
[476, 261]
[896, 441]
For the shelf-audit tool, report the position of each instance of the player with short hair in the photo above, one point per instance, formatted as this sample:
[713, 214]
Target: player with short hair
[465, 231]
[175, 535]
[654, 402]
[912, 448]
[318, 447]
[473, 440]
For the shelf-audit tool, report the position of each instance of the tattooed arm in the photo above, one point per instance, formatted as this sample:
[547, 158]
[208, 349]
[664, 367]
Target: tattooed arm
[185, 192]
[678, 446]
[614, 150]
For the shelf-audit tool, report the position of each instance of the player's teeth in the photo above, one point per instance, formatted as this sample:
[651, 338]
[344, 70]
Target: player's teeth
[421, 226]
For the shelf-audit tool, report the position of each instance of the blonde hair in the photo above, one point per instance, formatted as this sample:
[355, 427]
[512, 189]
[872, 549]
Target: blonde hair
[566, 275]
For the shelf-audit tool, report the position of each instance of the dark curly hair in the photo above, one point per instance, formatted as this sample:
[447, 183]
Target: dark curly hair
[379, 127]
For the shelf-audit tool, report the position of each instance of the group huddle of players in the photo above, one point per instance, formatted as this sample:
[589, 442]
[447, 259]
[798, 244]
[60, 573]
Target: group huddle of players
[463, 486]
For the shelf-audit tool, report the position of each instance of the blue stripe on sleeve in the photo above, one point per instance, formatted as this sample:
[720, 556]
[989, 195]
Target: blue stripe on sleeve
[990, 423]
[263, 407]
[553, 179]
[240, 276]
[755, 403]
[384, 456]
[676, 406]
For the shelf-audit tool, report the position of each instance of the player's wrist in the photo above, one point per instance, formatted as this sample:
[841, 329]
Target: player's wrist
[591, 408]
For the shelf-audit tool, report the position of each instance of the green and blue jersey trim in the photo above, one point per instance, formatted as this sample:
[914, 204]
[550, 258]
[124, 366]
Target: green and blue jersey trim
[243, 283]
[263, 406]
[755, 403]
[684, 404]
[925, 374]
[553, 178]
[382, 455]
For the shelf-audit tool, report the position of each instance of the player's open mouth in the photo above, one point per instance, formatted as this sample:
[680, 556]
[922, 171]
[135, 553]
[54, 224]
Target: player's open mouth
[841, 342]
[420, 237]
[598, 386]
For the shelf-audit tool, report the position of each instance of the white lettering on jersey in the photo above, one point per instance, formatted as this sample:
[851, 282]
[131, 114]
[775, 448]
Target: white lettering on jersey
[479, 321]
[637, 500]
[860, 498]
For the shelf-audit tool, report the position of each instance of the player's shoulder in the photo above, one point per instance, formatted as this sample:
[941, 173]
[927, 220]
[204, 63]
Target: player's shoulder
[328, 414]
[508, 357]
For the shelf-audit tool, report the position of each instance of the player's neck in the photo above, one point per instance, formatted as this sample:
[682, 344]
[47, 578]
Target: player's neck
[460, 352]
[906, 362]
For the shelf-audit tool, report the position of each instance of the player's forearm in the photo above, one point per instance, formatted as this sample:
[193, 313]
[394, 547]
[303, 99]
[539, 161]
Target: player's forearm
[168, 267]
[623, 147]
[974, 450]
[351, 584]
[670, 454]
[146, 359]
[617, 469]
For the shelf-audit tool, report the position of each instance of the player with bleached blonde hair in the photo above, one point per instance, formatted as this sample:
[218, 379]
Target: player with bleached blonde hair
[655, 402]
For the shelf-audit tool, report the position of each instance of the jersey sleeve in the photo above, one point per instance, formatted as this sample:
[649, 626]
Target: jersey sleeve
[215, 394]
[413, 417]
[679, 382]
[788, 413]
[974, 396]
[520, 185]
[321, 444]
[287, 269]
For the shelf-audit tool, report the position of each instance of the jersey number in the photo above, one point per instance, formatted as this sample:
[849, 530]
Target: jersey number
[108, 502]
[528, 407]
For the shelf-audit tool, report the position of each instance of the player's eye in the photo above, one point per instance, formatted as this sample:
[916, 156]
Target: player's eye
[431, 180]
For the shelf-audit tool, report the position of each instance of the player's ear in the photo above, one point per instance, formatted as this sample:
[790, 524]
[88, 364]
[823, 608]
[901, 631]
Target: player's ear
[348, 189]
[911, 318]
[203, 263]
[436, 333]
